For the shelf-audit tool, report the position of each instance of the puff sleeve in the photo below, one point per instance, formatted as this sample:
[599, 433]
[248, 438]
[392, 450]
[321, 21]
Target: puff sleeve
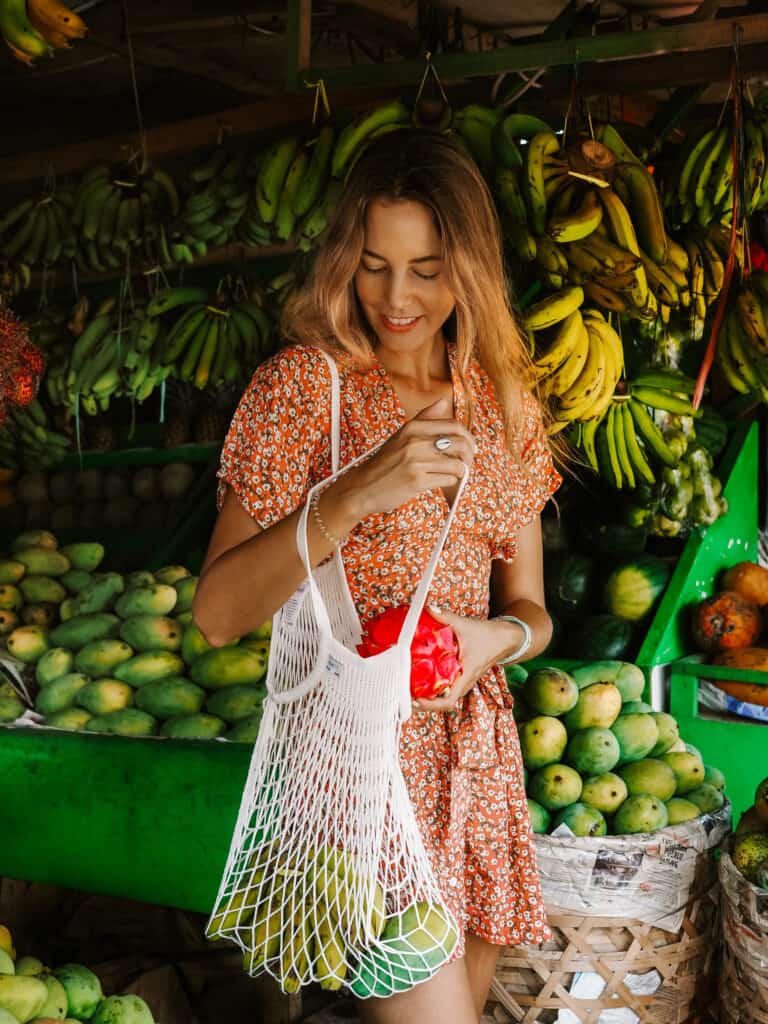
[278, 444]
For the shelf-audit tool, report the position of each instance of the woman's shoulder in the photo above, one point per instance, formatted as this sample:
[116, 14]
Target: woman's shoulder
[294, 370]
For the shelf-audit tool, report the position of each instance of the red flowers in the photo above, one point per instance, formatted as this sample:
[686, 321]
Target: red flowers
[434, 651]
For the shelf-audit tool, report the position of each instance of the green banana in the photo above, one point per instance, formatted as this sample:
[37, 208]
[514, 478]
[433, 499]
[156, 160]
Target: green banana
[648, 215]
[194, 349]
[182, 332]
[314, 181]
[665, 377]
[214, 336]
[541, 145]
[170, 298]
[272, 175]
[658, 398]
[355, 134]
[167, 184]
[607, 458]
[85, 344]
[616, 427]
[690, 162]
[285, 219]
[651, 434]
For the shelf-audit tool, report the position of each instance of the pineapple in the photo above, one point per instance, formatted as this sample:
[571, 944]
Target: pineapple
[212, 423]
[180, 410]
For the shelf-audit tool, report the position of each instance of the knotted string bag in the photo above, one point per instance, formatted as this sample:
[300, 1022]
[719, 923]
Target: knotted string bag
[327, 877]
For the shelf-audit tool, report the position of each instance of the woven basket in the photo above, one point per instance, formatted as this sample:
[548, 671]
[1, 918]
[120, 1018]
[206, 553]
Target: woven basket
[744, 981]
[533, 983]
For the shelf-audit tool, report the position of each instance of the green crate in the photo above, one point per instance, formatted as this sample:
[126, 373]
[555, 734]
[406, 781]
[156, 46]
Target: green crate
[737, 746]
[147, 819]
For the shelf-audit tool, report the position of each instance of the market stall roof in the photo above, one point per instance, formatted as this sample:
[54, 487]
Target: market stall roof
[192, 58]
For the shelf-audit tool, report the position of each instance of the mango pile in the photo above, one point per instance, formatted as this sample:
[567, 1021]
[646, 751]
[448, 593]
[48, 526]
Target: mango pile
[750, 843]
[599, 760]
[119, 654]
[31, 992]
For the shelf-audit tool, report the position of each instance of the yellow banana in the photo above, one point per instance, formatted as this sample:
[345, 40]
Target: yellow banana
[570, 227]
[541, 145]
[714, 267]
[738, 345]
[677, 255]
[605, 297]
[566, 339]
[620, 223]
[330, 966]
[550, 256]
[727, 366]
[620, 260]
[752, 318]
[57, 17]
[612, 343]
[581, 395]
[646, 208]
[660, 283]
[554, 308]
[566, 376]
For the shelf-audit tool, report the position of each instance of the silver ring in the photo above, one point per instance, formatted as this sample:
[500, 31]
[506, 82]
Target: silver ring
[443, 444]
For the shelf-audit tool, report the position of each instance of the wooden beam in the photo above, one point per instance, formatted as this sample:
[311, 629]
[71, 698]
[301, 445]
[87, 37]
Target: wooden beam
[298, 42]
[606, 47]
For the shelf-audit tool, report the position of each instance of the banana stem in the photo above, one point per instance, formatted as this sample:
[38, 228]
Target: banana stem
[709, 355]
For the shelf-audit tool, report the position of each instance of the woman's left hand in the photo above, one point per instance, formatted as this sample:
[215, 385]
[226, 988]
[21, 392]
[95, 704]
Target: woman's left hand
[481, 644]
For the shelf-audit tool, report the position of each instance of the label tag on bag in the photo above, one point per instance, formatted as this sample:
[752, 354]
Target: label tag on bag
[293, 604]
[333, 666]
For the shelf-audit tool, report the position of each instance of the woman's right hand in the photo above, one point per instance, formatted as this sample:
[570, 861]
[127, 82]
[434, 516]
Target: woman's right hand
[406, 465]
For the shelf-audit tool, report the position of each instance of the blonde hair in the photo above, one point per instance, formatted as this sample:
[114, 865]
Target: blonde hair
[433, 169]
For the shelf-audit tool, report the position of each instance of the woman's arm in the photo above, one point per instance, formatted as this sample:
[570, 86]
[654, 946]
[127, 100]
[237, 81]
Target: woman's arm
[517, 588]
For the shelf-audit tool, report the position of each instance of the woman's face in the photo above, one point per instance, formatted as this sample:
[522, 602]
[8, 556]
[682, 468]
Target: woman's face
[401, 282]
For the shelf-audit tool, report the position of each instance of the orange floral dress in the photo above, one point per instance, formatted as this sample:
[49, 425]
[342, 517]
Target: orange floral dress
[463, 768]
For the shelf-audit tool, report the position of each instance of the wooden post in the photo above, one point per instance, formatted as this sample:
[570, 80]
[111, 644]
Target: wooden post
[298, 43]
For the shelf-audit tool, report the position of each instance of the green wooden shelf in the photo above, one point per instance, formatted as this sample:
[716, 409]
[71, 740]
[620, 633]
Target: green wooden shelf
[142, 456]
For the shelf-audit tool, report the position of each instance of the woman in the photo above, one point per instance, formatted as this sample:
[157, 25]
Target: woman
[408, 295]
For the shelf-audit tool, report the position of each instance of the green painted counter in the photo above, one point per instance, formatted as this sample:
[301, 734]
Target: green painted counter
[148, 819]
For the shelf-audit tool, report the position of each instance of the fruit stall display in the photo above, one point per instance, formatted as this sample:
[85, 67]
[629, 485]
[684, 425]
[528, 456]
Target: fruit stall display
[599, 759]
[32, 992]
[744, 889]
[113, 653]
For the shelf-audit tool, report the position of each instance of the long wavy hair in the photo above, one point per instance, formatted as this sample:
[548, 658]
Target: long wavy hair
[433, 169]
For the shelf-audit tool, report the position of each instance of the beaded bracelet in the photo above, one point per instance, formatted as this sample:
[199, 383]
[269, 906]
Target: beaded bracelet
[331, 538]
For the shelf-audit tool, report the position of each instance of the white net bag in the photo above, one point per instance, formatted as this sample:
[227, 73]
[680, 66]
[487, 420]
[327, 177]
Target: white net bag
[327, 877]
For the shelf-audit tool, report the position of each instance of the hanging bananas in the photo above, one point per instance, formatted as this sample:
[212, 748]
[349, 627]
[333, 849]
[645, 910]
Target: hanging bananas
[37, 232]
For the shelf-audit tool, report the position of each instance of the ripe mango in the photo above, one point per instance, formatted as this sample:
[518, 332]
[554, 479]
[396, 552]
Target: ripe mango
[140, 578]
[72, 719]
[30, 966]
[555, 786]
[21, 996]
[582, 820]
[706, 798]
[80, 630]
[11, 708]
[10, 597]
[637, 734]
[6, 941]
[194, 727]
[55, 1006]
[170, 698]
[550, 691]
[130, 1009]
[84, 555]
[28, 643]
[228, 666]
[152, 633]
[185, 618]
[640, 813]
[127, 722]
[193, 644]
[247, 729]
[542, 741]
[101, 657]
[668, 732]
[159, 599]
[45, 614]
[688, 769]
[9, 620]
[66, 609]
[60, 693]
[43, 561]
[651, 776]
[606, 793]
[540, 817]
[35, 539]
[105, 695]
[185, 588]
[6, 963]
[76, 580]
[148, 667]
[170, 574]
[11, 571]
[680, 810]
[599, 704]
[714, 777]
[83, 989]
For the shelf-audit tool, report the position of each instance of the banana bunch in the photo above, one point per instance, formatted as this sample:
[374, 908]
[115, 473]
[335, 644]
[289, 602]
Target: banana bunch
[34, 28]
[218, 196]
[119, 210]
[38, 231]
[210, 341]
[15, 277]
[700, 188]
[579, 362]
[28, 441]
[742, 345]
[294, 921]
[707, 252]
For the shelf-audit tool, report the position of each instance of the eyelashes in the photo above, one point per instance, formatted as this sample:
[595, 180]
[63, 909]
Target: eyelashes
[380, 270]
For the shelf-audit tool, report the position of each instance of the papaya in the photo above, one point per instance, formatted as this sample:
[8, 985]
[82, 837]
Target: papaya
[140, 578]
[10, 597]
[247, 729]
[42, 588]
[76, 580]
[84, 555]
[101, 657]
[22, 996]
[61, 693]
[98, 596]
[748, 579]
[43, 561]
[72, 719]
[11, 571]
[80, 630]
[159, 599]
[28, 643]
[170, 698]
[83, 990]
[152, 633]
[185, 588]
[170, 574]
[148, 667]
[9, 620]
[193, 644]
[35, 539]
[126, 722]
[105, 695]
[193, 727]
[228, 666]
[56, 661]
[235, 702]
